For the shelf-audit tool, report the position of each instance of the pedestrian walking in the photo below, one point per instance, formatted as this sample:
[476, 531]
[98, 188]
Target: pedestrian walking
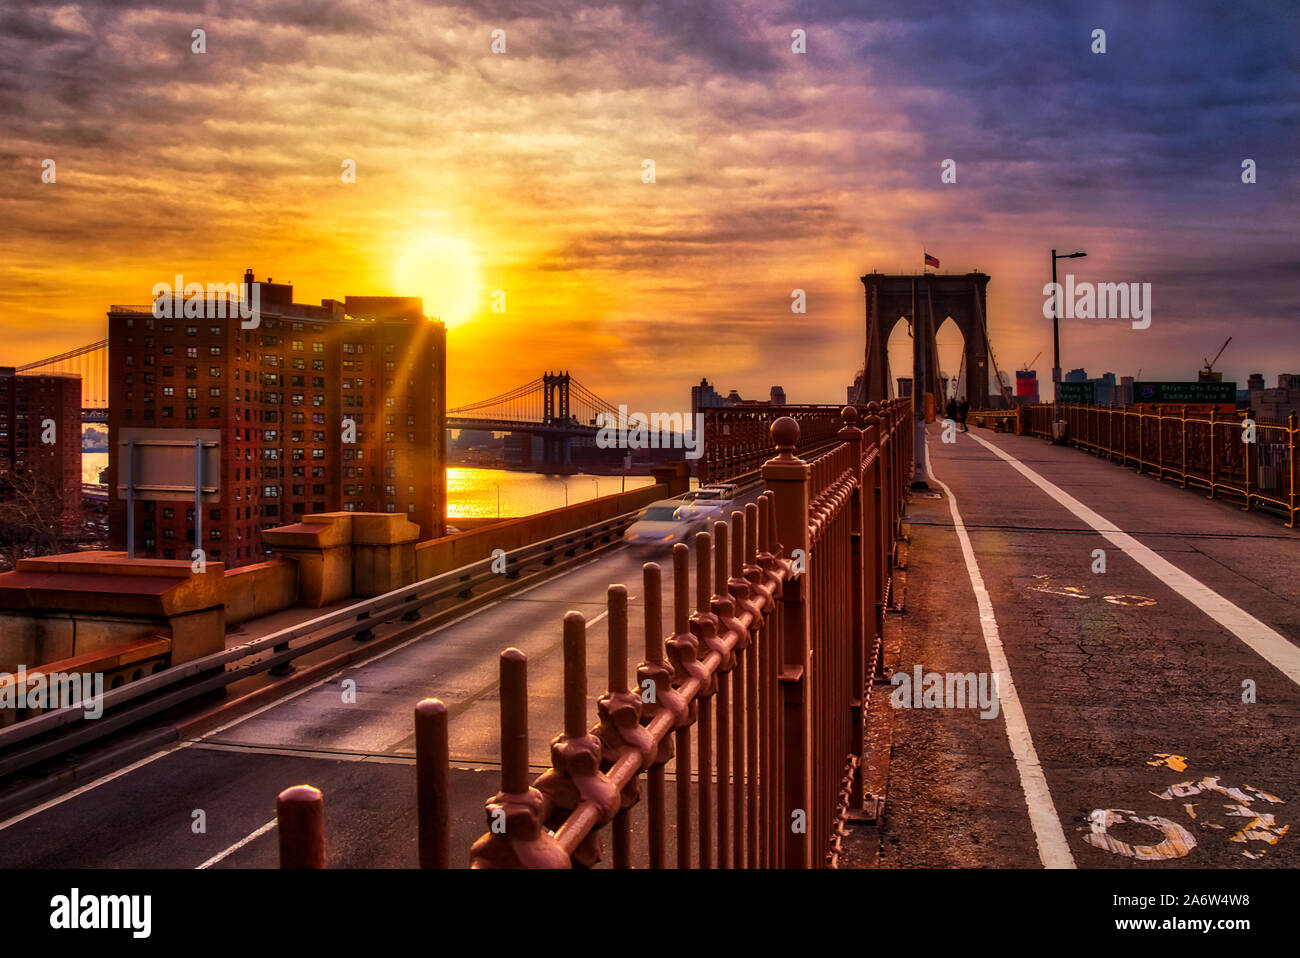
[962, 409]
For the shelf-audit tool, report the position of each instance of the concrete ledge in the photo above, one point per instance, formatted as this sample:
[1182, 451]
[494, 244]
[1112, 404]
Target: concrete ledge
[436, 556]
[63, 606]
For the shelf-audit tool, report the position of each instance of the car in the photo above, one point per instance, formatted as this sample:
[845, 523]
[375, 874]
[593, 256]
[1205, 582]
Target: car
[659, 526]
[710, 503]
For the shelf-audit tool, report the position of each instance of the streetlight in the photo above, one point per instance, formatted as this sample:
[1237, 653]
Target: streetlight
[1056, 334]
[498, 485]
[597, 482]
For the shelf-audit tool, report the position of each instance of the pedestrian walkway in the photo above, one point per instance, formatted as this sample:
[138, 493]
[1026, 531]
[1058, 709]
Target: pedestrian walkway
[1146, 640]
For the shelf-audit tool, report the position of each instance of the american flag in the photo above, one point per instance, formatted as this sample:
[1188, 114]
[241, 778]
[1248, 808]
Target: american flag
[931, 261]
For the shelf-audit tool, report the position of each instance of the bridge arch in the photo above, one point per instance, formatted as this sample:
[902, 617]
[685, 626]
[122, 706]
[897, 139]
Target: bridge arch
[927, 298]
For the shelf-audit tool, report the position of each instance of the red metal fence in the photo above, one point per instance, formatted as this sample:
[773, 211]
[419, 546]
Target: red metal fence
[1208, 451]
[754, 704]
[737, 439]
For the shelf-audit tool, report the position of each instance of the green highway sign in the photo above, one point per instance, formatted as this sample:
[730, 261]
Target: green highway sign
[1080, 394]
[1184, 393]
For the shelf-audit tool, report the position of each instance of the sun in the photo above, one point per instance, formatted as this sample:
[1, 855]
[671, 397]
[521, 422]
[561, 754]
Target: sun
[444, 271]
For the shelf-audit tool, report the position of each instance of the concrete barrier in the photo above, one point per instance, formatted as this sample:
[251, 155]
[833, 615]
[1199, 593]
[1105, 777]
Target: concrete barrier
[57, 607]
[256, 590]
[451, 552]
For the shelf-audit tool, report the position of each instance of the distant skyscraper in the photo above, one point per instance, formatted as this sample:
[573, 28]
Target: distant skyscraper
[854, 392]
[777, 396]
[1076, 376]
[704, 396]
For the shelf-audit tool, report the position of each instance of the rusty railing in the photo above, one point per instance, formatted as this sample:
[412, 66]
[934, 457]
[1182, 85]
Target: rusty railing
[1201, 450]
[737, 439]
[754, 704]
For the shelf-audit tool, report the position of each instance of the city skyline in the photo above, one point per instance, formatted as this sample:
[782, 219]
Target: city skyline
[775, 171]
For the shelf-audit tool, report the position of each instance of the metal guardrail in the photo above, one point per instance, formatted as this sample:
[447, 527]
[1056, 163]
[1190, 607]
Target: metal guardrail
[1206, 451]
[170, 687]
[758, 696]
[737, 440]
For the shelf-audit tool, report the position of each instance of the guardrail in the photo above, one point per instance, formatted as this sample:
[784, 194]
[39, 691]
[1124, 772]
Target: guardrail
[737, 440]
[41, 737]
[1247, 459]
[771, 671]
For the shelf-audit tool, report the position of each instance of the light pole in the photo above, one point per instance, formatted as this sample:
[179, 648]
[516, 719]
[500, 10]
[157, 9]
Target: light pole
[597, 482]
[1056, 334]
[498, 485]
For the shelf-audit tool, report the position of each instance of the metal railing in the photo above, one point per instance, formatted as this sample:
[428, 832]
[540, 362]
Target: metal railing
[756, 701]
[737, 439]
[1219, 453]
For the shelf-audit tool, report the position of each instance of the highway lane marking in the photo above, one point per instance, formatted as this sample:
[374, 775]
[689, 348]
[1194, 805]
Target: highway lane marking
[149, 759]
[1271, 645]
[104, 779]
[1053, 848]
[251, 836]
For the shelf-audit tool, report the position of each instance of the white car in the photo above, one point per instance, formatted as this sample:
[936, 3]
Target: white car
[658, 526]
[709, 504]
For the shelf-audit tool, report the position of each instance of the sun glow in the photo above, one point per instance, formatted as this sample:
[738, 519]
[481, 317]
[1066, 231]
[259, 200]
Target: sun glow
[444, 271]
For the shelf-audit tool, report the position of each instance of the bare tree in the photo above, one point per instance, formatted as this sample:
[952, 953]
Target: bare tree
[33, 521]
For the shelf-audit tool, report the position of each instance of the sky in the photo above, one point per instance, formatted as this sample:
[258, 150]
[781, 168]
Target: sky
[523, 171]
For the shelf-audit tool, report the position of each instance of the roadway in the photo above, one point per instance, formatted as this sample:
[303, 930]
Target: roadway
[1129, 681]
[360, 753]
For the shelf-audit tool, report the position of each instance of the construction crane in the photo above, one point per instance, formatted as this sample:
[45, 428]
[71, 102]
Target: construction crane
[1025, 367]
[1207, 373]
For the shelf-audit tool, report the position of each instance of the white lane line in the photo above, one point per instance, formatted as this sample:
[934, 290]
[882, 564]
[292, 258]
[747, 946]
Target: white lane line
[60, 799]
[1272, 646]
[238, 845]
[1053, 849]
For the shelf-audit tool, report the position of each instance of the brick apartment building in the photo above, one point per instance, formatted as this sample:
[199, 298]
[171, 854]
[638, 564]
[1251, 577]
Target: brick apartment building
[26, 403]
[279, 395]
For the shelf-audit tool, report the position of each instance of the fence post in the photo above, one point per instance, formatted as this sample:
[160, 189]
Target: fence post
[432, 758]
[875, 532]
[300, 819]
[1249, 454]
[1291, 431]
[1212, 412]
[515, 837]
[1182, 443]
[851, 436]
[787, 476]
